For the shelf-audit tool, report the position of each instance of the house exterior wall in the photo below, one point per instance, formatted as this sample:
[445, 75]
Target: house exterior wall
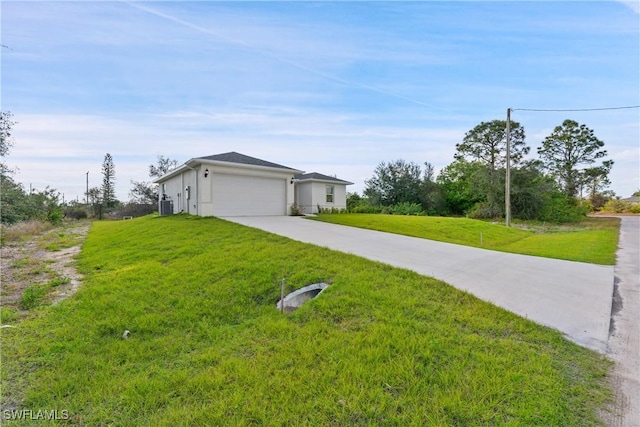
[304, 198]
[312, 194]
[174, 189]
[203, 189]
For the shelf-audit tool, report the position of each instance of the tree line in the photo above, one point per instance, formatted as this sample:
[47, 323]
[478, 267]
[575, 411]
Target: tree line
[18, 204]
[569, 178]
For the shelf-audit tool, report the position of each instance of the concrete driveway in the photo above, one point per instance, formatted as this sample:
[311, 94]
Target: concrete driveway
[574, 298]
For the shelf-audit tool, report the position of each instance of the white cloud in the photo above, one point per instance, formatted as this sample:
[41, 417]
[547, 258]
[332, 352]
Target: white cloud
[631, 4]
[58, 150]
[302, 85]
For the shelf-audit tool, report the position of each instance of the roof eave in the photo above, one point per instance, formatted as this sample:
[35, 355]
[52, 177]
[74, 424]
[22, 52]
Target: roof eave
[172, 173]
[326, 181]
[244, 165]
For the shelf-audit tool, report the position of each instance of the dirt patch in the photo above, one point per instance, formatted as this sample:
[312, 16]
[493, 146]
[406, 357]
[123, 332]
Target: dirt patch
[46, 262]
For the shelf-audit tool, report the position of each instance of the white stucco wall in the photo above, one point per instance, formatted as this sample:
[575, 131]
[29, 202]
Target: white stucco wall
[202, 188]
[310, 194]
[174, 190]
[304, 198]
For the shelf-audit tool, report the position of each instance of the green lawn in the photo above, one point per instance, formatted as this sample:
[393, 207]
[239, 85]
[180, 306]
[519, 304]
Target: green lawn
[381, 346]
[594, 240]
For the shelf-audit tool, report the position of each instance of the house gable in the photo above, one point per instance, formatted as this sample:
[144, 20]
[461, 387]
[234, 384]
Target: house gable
[242, 159]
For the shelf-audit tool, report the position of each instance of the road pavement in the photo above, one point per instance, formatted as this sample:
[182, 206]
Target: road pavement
[624, 341]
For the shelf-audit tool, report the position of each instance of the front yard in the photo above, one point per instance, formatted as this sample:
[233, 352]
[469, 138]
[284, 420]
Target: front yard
[594, 240]
[381, 346]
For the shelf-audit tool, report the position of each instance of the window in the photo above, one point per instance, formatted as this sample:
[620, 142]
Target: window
[329, 198]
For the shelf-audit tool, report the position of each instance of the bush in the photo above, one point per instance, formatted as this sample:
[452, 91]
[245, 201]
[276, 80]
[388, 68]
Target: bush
[406, 208]
[295, 210]
[76, 212]
[617, 206]
[484, 210]
[562, 209]
[135, 209]
[331, 210]
[365, 207]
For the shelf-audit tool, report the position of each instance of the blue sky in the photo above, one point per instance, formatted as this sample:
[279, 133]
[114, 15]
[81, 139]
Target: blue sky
[329, 87]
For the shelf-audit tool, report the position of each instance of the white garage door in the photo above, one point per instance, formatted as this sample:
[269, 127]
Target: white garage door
[238, 195]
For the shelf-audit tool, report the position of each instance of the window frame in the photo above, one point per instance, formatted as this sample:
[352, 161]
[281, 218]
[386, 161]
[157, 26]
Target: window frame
[330, 193]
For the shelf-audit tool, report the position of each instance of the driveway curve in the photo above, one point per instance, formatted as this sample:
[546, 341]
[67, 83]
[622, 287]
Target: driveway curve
[572, 297]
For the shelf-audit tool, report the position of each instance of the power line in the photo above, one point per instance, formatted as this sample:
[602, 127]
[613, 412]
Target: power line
[507, 196]
[576, 109]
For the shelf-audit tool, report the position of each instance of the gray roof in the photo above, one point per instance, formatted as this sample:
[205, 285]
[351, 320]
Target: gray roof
[233, 157]
[632, 199]
[315, 176]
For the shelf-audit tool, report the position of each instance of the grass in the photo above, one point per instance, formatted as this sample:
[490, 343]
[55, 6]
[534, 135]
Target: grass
[34, 295]
[381, 346]
[22, 230]
[593, 241]
[60, 238]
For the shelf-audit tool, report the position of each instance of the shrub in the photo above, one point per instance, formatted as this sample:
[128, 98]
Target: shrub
[484, 210]
[562, 209]
[295, 210]
[406, 208]
[365, 207]
[617, 206]
[76, 212]
[331, 210]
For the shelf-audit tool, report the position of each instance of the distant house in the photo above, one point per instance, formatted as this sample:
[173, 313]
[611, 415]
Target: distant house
[234, 184]
[632, 199]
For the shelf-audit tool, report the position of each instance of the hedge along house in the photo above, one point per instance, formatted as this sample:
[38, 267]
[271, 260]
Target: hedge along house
[314, 191]
[229, 184]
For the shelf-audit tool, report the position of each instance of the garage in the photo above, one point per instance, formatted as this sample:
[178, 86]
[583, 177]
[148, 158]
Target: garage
[241, 195]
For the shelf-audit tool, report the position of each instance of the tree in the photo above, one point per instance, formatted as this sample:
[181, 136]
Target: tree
[531, 189]
[95, 195]
[147, 192]
[568, 151]
[431, 194]
[6, 140]
[486, 144]
[393, 183]
[6, 125]
[143, 192]
[163, 166]
[596, 179]
[458, 182]
[108, 182]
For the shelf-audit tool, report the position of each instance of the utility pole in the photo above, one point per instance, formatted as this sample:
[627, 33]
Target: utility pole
[87, 193]
[507, 183]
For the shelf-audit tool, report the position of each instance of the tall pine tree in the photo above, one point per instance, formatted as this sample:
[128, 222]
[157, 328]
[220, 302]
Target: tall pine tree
[108, 182]
[569, 154]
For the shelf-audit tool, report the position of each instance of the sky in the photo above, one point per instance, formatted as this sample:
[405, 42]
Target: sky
[334, 87]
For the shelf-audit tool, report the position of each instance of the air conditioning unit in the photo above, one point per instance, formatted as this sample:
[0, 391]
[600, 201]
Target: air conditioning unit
[165, 207]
